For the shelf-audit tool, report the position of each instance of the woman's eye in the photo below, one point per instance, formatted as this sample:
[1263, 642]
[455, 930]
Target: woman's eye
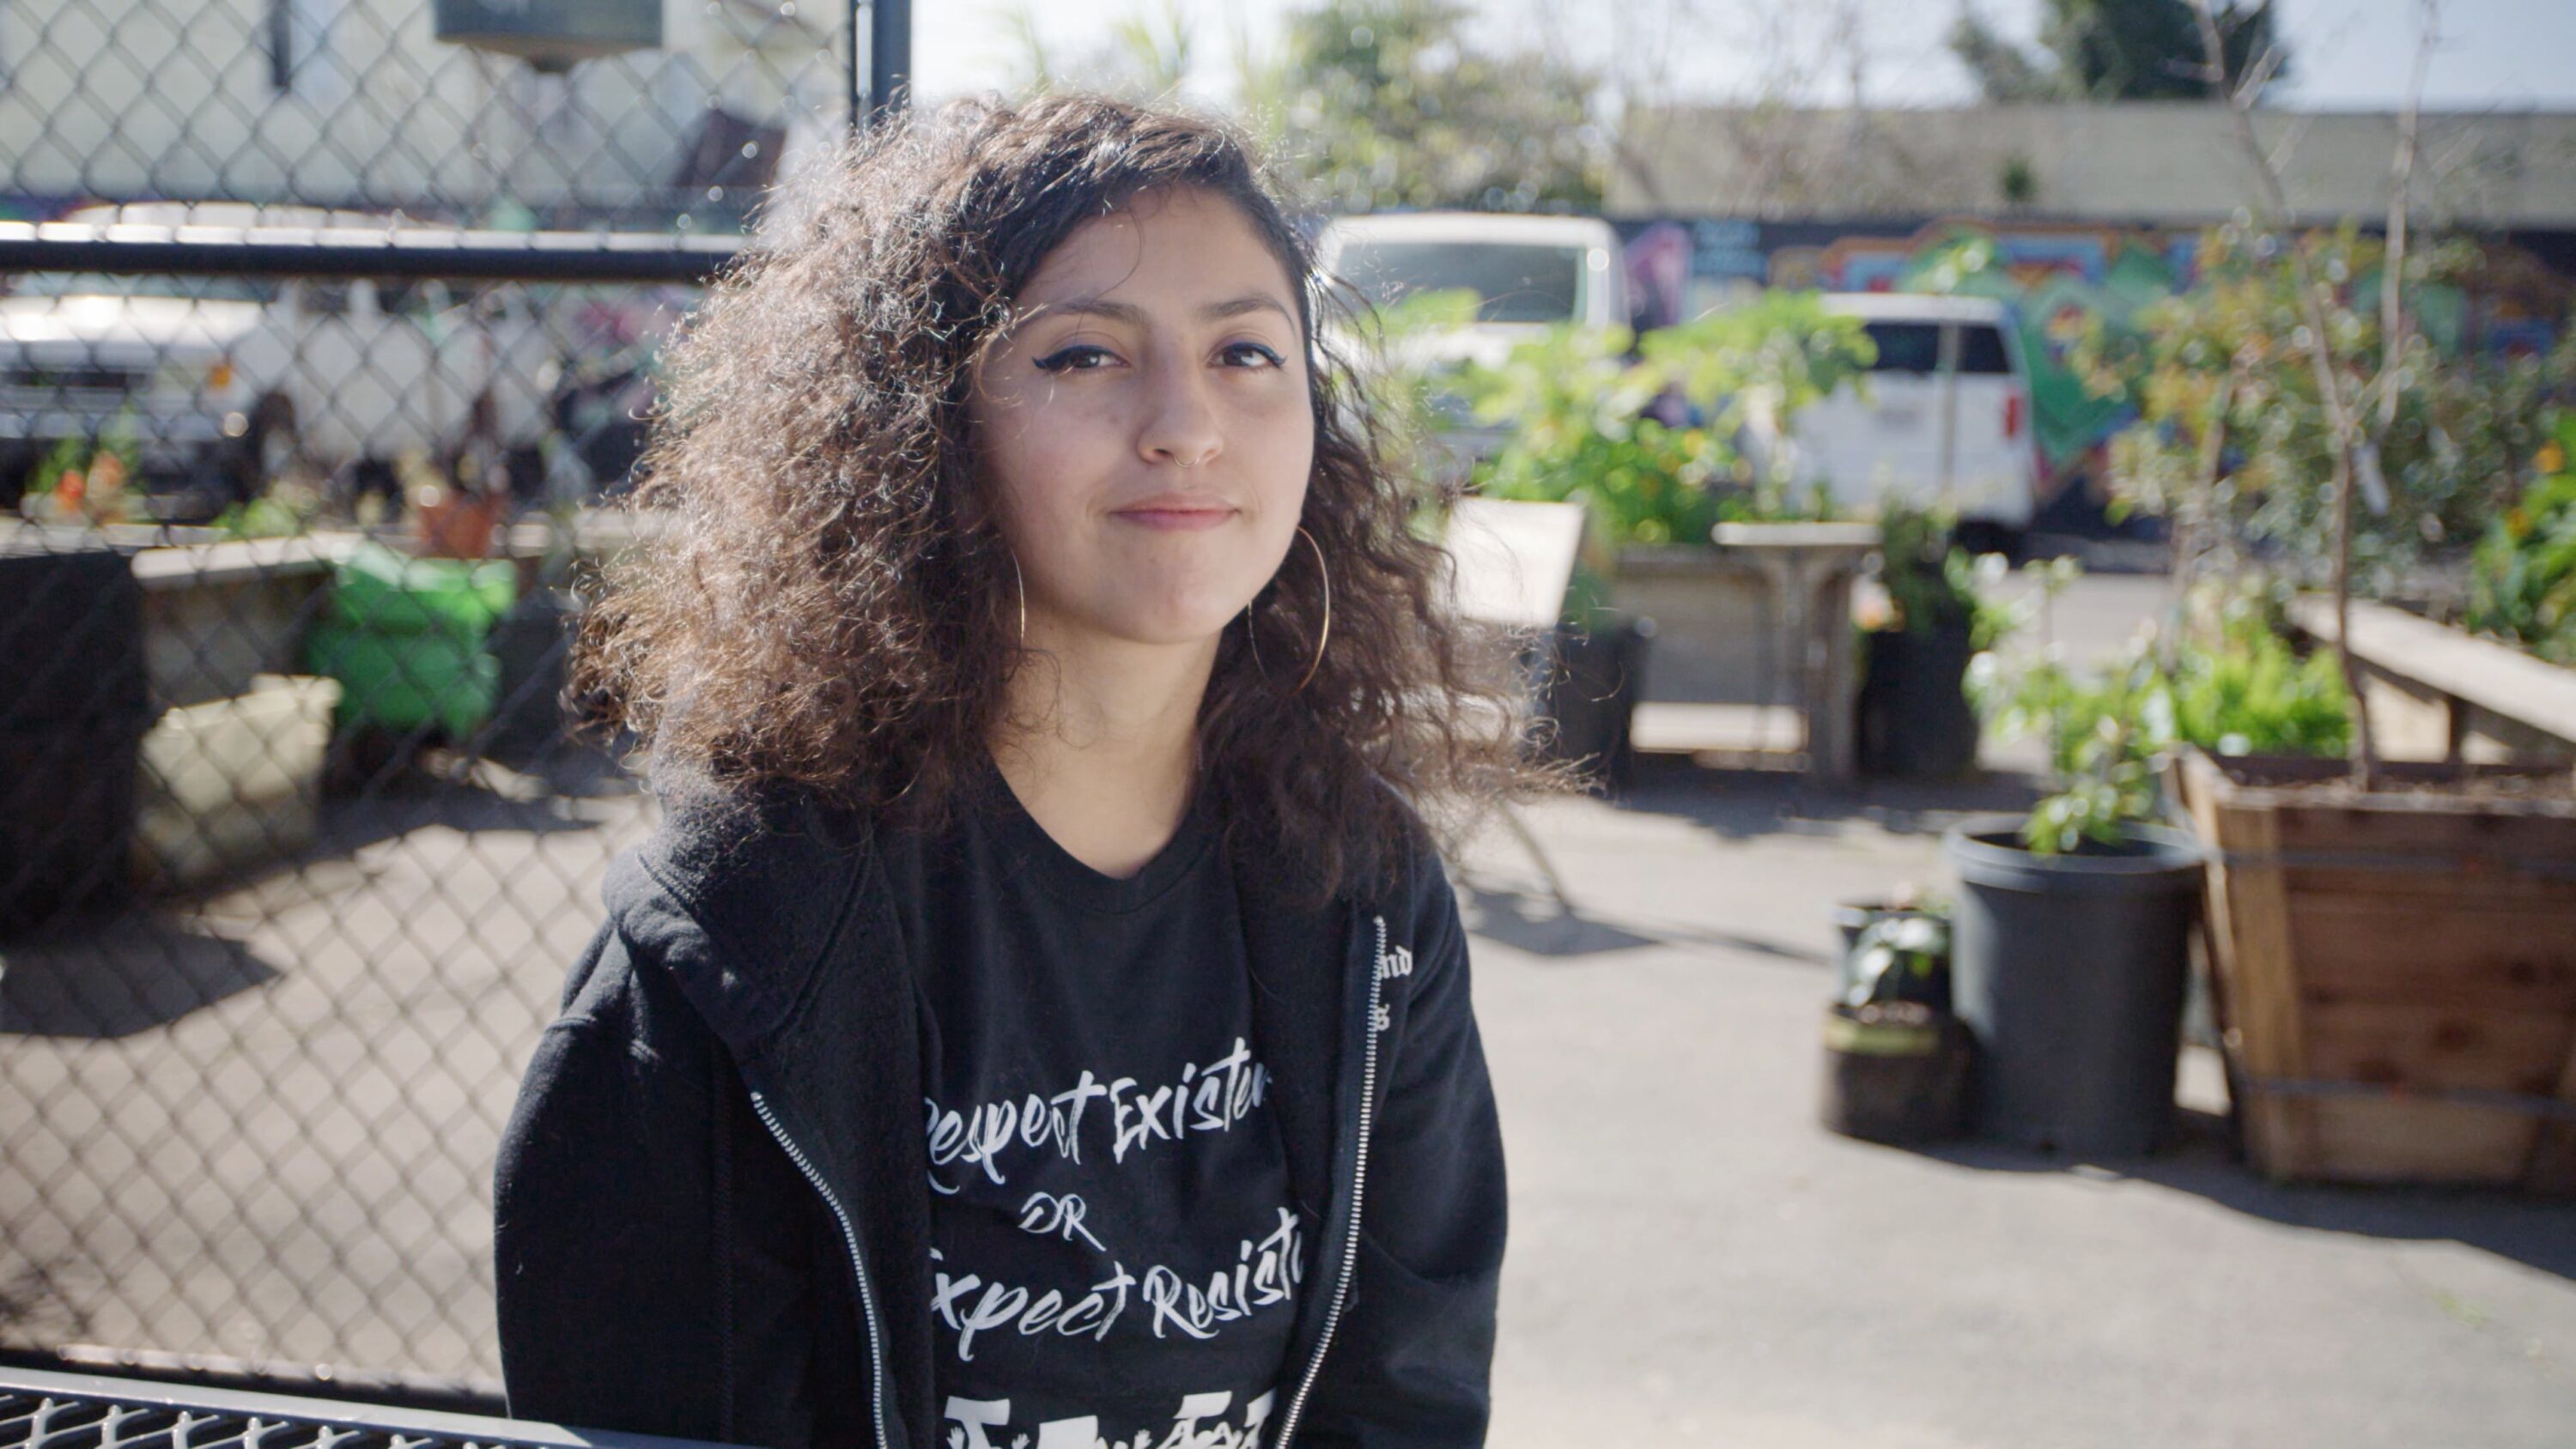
[1249, 354]
[1078, 358]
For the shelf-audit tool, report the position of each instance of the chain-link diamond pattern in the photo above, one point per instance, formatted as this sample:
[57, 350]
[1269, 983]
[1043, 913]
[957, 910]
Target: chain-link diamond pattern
[293, 849]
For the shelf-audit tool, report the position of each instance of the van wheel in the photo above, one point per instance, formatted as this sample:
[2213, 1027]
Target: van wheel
[1984, 536]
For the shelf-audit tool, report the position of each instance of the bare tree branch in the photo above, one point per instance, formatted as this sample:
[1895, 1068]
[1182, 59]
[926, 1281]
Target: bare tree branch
[2343, 421]
[2392, 261]
[2257, 76]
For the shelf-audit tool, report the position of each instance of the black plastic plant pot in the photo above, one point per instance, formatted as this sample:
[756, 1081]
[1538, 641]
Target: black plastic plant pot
[531, 643]
[1597, 676]
[1897, 1073]
[2070, 969]
[1914, 718]
[68, 795]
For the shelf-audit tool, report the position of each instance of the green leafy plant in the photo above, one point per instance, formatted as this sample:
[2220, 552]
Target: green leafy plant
[1900, 957]
[2522, 582]
[2240, 689]
[2252, 693]
[1580, 405]
[267, 516]
[119, 439]
[1933, 585]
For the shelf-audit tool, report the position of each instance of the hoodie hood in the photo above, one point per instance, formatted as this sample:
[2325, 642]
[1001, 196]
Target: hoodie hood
[742, 898]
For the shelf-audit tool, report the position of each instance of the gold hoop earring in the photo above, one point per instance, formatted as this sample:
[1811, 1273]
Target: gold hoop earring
[1252, 636]
[1325, 633]
[1020, 588]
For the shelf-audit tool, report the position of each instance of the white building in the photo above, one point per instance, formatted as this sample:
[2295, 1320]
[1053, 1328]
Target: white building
[2162, 163]
[354, 103]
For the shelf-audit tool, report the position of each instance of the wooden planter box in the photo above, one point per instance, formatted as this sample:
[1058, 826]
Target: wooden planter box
[2396, 972]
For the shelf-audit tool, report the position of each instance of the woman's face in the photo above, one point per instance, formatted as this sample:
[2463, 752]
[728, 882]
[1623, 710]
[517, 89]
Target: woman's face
[1143, 428]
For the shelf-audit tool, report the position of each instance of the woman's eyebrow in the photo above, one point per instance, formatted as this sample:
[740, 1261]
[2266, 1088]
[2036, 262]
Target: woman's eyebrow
[1249, 302]
[1133, 315]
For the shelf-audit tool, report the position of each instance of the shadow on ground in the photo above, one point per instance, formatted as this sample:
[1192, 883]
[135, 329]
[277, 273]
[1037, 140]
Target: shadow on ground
[1541, 928]
[123, 976]
[1748, 804]
[2203, 1160]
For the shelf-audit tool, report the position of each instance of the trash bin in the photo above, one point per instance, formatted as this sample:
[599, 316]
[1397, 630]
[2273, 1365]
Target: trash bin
[71, 728]
[404, 636]
[532, 644]
[2070, 970]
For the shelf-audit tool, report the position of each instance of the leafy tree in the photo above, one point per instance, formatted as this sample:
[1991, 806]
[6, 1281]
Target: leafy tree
[2113, 50]
[1142, 56]
[1390, 103]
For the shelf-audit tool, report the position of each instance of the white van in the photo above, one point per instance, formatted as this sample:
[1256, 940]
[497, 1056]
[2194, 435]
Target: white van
[1528, 272]
[1943, 417]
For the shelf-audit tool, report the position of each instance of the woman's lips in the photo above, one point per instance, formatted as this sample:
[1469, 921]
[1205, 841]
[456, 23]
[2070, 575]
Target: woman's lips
[1175, 516]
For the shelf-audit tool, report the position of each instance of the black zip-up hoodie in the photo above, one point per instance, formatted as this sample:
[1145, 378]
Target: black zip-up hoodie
[711, 1206]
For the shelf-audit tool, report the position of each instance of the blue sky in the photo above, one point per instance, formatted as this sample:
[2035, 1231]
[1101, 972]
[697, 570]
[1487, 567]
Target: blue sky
[2350, 54]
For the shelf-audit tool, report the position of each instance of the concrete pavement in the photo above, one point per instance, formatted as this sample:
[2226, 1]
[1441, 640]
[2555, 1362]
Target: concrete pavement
[290, 1160]
[1694, 1261]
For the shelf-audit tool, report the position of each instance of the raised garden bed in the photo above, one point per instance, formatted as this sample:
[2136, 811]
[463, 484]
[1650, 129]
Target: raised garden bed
[2396, 969]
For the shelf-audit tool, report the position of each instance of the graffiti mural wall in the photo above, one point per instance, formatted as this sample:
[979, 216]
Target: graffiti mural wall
[2059, 279]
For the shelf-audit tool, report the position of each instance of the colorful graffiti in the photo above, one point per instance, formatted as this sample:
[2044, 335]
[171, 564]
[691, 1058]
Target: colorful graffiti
[2058, 279]
[2058, 282]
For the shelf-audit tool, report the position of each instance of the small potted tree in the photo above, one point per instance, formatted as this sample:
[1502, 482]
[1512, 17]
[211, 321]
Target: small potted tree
[1915, 720]
[2070, 950]
[1897, 1061]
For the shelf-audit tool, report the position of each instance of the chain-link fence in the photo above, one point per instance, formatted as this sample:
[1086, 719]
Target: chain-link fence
[323, 339]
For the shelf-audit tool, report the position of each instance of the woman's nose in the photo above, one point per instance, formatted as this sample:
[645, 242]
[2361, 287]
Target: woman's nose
[1181, 425]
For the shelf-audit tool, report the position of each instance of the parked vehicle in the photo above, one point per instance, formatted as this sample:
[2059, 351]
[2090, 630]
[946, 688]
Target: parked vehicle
[228, 381]
[1943, 419]
[1528, 272]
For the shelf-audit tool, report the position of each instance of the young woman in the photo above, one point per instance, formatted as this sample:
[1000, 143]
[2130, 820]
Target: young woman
[1040, 1019]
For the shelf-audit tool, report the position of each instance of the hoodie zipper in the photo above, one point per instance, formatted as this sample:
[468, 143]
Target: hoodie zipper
[850, 1239]
[1359, 1185]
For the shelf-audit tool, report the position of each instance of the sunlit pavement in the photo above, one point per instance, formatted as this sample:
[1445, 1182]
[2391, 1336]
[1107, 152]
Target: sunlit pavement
[1694, 1261]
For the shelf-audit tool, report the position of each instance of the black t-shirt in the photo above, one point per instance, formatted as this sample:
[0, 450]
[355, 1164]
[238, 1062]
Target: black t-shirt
[1116, 1256]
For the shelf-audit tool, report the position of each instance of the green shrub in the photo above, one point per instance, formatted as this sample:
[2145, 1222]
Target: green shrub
[2243, 691]
[2522, 582]
[1575, 401]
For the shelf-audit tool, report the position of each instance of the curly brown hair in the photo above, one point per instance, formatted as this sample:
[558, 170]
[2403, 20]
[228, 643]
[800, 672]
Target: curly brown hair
[826, 602]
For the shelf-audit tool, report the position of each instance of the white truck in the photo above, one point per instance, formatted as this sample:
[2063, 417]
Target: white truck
[228, 381]
[1528, 272]
[1943, 418]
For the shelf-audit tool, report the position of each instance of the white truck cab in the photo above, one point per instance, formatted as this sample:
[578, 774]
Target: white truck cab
[1528, 272]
